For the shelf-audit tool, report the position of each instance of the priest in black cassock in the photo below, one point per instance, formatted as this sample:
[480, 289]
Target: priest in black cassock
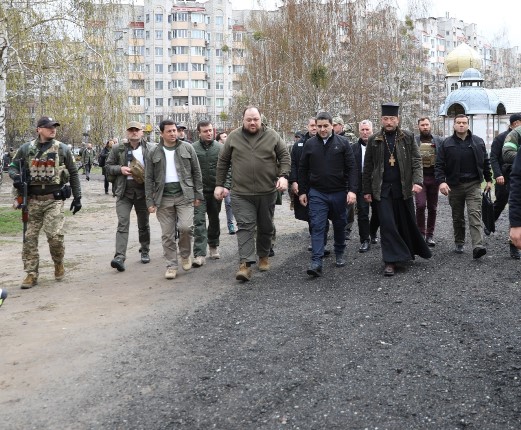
[392, 174]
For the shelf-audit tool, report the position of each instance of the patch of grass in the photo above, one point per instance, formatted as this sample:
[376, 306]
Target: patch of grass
[10, 221]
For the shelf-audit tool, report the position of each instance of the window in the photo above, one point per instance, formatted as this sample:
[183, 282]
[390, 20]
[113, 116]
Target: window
[159, 68]
[196, 67]
[159, 118]
[147, 35]
[180, 50]
[159, 51]
[158, 85]
[219, 37]
[199, 101]
[198, 17]
[198, 50]
[159, 17]
[218, 52]
[238, 69]
[138, 34]
[179, 84]
[219, 85]
[239, 52]
[180, 101]
[219, 21]
[219, 102]
[198, 84]
[136, 50]
[180, 67]
[159, 102]
[147, 17]
[136, 84]
[198, 34]
[219, 69]
[180, 34]
[181, 16]
[136, 101]
[136, 67]
[159, 34]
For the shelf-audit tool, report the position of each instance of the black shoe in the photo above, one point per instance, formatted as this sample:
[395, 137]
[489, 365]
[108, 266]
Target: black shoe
[145, 258]
[340, 261]
[478, 252]
[458, 249]
[310, 248]
[365, 246]
[106, 192]
[514, 252]
[374, 240]
[117, 263]
[348, 235]
[389, 270]
[315, 270]
[430, 241]
[271, 253]
[87, 178]
[327, 252]
[486, 231]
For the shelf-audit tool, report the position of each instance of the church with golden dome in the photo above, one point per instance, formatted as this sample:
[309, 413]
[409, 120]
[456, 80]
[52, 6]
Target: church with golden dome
[488, 109]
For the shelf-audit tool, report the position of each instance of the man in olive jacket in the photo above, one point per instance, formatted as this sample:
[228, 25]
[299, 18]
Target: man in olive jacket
[260, 164]
[392, 174]
[207, 150]
[125, 166]
[173, 186]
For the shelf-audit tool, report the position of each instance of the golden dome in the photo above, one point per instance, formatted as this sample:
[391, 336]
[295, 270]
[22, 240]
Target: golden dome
[462, 58]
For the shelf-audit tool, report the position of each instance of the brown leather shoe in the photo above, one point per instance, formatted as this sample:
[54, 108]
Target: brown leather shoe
[30, 281]
[244, 273]
[389, 270]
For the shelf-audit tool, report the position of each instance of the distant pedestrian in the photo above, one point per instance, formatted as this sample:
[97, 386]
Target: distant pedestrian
[392, 175]
[87, 157]
[462, 163]
[102, 160]
[260, 165]
[328, 181]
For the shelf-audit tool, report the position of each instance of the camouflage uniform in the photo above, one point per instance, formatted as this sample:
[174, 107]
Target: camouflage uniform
[45, 203]
[510, 148]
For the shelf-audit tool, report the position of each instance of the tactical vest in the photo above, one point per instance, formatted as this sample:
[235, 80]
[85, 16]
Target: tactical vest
[47, 168]
[428, 154]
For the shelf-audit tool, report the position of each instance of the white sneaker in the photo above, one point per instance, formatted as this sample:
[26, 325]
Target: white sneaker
[187, 263]
[171, 273]
[199, 261]
[214, 253]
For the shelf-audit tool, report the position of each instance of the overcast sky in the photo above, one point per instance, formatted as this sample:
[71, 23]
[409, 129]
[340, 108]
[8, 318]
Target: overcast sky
[491, 17]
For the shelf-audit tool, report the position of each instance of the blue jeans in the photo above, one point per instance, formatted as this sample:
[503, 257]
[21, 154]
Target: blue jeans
[324, 206]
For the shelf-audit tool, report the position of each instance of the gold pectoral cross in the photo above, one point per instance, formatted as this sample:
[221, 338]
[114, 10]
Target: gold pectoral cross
[392, 160]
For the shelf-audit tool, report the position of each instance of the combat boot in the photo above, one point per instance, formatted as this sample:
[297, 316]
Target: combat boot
[59, 271]
[30, 281]
[244, 273]
[264, 264]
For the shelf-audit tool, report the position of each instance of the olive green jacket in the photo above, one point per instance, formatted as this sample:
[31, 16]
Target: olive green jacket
[409, 163]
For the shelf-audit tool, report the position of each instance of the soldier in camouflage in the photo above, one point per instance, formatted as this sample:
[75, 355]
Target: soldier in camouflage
[49, 167]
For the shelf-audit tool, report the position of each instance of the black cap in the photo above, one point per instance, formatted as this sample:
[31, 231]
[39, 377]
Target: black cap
[390, 109]
[515, 117]
[46, 122]
[180, 126]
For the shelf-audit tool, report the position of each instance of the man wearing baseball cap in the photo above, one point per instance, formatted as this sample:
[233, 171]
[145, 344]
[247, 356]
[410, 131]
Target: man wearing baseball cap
[181, 133]
[45, 166]
[125, 163]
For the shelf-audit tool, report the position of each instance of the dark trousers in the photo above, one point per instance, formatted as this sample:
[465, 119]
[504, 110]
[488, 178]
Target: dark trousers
[324, 206]
[362, 208]
[502, 192]
[374, 223]
[203, 235]
[427, 198]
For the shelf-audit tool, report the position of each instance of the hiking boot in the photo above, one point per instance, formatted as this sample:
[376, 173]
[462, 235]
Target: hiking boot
[186, 263]
[340, 260]
[231, 228]
[117, 263]
[244, 273]
[145, 257]
[198, 261]
[315, 270]
[214, 253]
[59, 271]
[264, 264]
[3, 296]
[170, 273]
[478, 252]
[30, 281]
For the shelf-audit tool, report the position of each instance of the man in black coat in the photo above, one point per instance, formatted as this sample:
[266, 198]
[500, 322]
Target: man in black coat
[328, 180]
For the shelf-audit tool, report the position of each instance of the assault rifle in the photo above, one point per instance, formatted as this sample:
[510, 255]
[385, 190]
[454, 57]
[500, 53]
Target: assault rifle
[23, 203]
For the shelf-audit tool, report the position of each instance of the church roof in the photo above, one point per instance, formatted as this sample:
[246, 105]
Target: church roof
[472, 100]
[461, 58]
[511, 98]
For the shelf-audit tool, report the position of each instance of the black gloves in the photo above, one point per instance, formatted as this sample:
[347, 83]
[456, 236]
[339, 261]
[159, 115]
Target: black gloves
[76, 205]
